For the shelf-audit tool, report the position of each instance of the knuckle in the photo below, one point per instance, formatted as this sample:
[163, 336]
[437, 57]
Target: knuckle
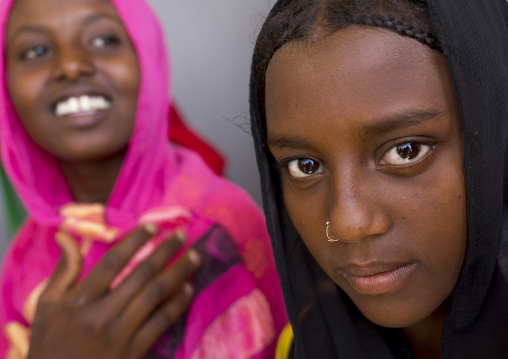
[89, 320]
[163, 320]
[147, 270]
[44, 301]
[95, 324]
[185, 295]
[132, 349]
[170, 246]
[113, 260]
[157, 292]
[79, 302]
[139, 236]
[187, 267]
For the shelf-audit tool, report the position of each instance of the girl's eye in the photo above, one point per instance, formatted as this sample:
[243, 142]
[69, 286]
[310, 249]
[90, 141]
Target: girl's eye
[406, 153]
[102, 41]
[35, 52]
[303, 167]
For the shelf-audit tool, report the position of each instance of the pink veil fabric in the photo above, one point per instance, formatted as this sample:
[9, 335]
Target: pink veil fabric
[238, 309]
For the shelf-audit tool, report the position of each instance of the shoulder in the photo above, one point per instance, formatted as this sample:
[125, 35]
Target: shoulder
[21, 245]
[29, 245]
[196, 187]
[29, 260]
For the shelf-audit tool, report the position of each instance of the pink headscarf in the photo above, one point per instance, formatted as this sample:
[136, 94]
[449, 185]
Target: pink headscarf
[157, 180]
[36, 174]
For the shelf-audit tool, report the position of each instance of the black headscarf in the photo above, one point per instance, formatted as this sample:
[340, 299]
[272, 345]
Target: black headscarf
[473, 35]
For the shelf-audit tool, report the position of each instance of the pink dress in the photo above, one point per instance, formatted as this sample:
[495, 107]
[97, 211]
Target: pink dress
[238, 309]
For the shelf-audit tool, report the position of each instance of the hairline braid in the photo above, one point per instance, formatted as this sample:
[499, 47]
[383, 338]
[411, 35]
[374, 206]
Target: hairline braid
[400, 28]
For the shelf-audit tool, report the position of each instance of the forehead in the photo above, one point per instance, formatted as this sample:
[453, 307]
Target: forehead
[62, 12]
[358, 73]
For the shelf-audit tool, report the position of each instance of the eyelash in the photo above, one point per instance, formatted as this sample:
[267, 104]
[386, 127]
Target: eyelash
[32, 53]
[286, 163]
[403, 149]
[26, 55]
[110, 40]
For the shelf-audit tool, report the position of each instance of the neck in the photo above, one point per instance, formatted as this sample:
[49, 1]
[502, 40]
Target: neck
[92, 181]
[425, 336]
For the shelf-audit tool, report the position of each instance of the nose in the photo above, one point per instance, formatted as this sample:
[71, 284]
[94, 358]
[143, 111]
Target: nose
[73, 62]
[356, 210]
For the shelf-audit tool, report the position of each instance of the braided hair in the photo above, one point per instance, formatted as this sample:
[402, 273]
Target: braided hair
[311, 20]
[402, 29]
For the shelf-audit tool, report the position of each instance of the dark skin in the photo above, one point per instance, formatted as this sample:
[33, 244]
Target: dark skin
[56, 50]
[88, 320]
[59, 49]
[367, 132]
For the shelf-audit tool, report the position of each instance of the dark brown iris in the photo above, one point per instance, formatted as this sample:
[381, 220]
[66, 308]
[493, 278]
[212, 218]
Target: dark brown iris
[408, 151]
[308, 166]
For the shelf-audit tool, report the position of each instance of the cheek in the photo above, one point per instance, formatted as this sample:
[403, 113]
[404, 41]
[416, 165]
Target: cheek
[307, 210]
[125, 74]
[24, 90]
[448, 222]
[437, 213]
[429, 218]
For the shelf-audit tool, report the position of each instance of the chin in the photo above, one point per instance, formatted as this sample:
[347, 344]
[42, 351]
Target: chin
[397, 320]
[395, 313]
[76, 150]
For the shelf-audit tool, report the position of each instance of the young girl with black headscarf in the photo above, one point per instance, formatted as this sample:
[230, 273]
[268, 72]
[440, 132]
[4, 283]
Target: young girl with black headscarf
[133, 247]
[381, 136]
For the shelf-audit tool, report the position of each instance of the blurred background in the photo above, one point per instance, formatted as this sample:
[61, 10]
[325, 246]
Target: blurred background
[210, 47]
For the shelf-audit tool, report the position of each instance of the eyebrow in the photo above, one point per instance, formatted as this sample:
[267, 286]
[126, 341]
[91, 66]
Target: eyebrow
[407, 118]
[287, 142]
[31, 28]
[88, 20]
[99, 16]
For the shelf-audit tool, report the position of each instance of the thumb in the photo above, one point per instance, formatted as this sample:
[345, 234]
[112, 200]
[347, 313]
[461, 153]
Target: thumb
[68, 268]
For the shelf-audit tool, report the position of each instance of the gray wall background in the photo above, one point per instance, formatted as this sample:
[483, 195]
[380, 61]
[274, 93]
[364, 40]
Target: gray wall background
[210, 46]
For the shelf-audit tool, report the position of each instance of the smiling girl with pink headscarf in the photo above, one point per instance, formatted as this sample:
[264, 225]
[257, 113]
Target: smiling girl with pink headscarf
[83, 108]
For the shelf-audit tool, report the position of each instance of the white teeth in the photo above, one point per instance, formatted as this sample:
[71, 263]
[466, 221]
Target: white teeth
[84, 103]
[73, 105]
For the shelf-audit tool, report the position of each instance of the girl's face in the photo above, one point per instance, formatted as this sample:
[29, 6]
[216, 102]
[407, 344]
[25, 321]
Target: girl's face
[73, 76]
[368, 134]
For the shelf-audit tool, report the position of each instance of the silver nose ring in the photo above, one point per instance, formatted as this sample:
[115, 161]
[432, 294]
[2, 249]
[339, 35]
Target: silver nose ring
[330, 239]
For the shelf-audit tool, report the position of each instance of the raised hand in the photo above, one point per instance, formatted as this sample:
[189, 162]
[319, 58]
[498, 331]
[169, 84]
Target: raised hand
[89, 320]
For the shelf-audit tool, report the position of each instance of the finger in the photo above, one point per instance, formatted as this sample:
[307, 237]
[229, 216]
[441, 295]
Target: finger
[160, 321]
[145, 272]
[67, 270]
[158, 291]
[98, 281]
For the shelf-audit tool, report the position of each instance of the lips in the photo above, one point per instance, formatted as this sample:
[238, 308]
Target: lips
[377, 278]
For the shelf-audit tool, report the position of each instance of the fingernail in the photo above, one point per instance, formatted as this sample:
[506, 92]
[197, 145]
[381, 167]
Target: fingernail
[188, 288]
[151, 228]
[194, 257]
[180, 235]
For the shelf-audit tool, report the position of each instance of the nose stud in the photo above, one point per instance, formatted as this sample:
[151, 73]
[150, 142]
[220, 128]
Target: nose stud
[330, 239]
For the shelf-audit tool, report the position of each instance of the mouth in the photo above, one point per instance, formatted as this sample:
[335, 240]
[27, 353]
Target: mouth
[81, 105]
[376, 279]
